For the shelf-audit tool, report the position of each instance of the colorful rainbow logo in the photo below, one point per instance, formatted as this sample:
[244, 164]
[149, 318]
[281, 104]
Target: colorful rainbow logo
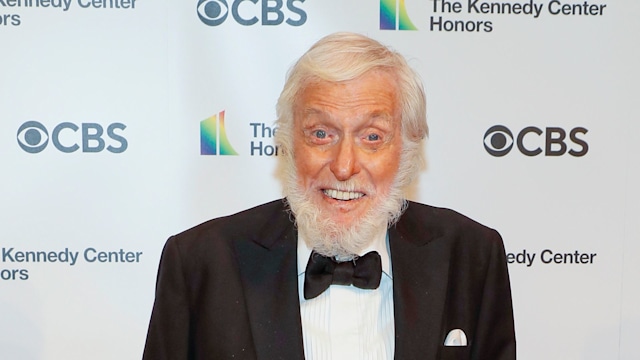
[393, 16]
[213, 136]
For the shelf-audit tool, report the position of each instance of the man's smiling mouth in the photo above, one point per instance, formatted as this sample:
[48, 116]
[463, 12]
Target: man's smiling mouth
[342, 195]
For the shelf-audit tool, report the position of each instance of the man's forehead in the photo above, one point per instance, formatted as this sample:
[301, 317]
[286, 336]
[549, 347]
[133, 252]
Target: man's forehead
[375, 91]
[311, 113]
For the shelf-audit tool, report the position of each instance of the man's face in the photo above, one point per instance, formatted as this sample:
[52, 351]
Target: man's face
[347, 144]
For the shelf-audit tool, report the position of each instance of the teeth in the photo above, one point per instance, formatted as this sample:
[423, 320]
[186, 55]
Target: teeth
[343, 195]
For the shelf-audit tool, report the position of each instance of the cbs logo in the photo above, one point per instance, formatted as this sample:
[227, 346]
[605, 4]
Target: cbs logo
[215, 12]
[498, 141]
[33, 137]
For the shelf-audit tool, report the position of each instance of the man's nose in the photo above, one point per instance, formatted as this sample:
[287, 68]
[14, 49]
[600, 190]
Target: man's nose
[345, 160]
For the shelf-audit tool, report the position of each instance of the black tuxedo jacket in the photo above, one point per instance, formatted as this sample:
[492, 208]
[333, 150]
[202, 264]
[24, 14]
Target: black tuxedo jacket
[227, 289]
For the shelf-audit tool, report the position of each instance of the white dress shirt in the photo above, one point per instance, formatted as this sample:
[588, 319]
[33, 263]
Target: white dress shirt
[346, 322]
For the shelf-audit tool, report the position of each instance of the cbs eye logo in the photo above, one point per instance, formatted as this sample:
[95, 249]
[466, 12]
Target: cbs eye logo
[33, 137]
[215, 12]
[499, 140]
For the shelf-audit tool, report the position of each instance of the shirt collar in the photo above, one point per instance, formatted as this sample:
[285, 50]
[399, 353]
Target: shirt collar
[380, 244]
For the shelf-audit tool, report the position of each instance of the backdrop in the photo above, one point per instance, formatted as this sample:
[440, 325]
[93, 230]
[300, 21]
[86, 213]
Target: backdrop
[123, 122]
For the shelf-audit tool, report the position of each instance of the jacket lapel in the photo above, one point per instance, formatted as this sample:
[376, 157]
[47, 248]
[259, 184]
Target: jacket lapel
[268, 266]
[420, 275]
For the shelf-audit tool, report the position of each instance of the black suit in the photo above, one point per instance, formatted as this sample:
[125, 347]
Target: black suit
[228, 289]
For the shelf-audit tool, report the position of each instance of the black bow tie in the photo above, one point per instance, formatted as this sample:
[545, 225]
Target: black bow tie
[363, 272]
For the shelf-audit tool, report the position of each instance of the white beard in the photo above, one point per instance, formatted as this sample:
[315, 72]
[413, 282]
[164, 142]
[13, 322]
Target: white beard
[324, 235]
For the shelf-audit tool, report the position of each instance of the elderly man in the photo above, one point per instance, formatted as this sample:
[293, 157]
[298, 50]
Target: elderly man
[344, 267]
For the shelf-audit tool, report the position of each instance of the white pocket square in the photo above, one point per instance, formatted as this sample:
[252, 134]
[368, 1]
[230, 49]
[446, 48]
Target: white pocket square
[456, 337]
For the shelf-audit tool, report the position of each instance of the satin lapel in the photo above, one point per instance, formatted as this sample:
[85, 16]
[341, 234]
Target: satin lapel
[268, 264]
[420, 265]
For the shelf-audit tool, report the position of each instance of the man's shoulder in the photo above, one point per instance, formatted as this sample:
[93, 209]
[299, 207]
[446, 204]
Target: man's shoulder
[433, 215]
[437, 222]
[246, 224]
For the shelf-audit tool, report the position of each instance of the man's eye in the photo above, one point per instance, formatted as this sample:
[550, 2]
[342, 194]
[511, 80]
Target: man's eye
[373, 137]
[320, 134]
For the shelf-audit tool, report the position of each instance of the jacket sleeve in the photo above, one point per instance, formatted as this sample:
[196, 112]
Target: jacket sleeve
[168, 334]
[495, 333]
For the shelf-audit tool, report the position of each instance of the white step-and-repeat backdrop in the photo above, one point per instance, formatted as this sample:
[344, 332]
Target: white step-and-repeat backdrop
[108, 108]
